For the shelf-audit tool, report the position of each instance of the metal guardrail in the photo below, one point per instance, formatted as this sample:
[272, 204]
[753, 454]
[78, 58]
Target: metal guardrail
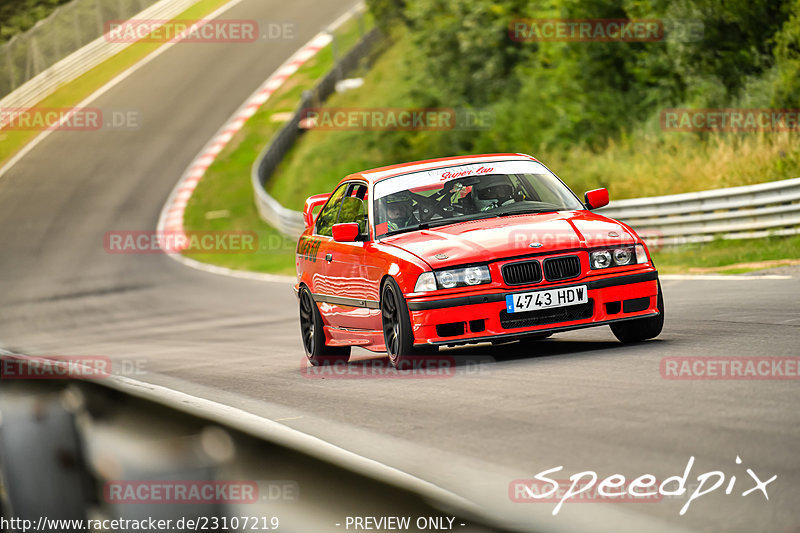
[69, 445]
[752, 211]
[285, 220]
[43, 65]
[749, 212]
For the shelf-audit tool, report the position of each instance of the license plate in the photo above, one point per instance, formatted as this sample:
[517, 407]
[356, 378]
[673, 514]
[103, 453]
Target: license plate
[531, 301]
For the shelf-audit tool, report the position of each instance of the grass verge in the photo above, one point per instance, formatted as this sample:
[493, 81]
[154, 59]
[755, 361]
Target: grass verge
[632, 167]
[74, 92]
[20, 16]
[223, 200]
[727, 257]
[647, 162]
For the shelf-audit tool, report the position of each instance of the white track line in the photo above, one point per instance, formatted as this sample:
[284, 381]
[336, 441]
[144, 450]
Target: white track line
[171, 218]
[283, 435]
[278, 432]
[203, 407]
[241, 274]
[719, 277]
[107, 87]
[271, 430]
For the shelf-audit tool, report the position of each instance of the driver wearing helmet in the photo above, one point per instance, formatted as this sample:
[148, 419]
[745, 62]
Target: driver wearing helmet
[493, 192]
[398, 211]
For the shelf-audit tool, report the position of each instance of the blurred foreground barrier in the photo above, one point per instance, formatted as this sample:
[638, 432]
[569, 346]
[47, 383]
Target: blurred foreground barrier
[120, 450]
[67, 44]
[749, 212]
[288, 221]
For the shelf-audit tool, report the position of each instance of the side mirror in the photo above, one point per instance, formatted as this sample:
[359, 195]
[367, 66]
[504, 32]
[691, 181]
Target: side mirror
[596, 198]
[318, 200]
[345, 232]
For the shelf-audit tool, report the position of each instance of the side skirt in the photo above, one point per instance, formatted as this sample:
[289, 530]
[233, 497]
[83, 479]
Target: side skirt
[368, 339]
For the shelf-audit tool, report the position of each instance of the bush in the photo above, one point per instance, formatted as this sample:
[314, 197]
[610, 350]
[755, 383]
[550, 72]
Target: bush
[556, 94]
[19, 16]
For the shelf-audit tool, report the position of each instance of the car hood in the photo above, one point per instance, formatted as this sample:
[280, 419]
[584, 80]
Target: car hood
[512, 236]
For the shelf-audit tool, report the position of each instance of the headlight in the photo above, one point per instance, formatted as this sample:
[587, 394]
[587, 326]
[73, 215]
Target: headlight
[455, 277]
[641, 254]
[463, 277]
[447, 279]
[622, 256]
[425, 282]
[476, 275]
[601, 259]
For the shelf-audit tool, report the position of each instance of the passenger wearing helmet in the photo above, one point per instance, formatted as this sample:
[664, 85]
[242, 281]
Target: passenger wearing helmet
[398, 211]
[493, 192]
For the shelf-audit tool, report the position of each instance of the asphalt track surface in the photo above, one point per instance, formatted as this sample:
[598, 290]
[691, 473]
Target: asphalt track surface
[579, 399]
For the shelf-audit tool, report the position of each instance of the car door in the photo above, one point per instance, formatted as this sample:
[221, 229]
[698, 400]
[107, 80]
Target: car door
[313, 248]
[342, 288]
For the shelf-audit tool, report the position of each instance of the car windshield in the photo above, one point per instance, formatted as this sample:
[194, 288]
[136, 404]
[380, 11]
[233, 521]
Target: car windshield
[468, 192]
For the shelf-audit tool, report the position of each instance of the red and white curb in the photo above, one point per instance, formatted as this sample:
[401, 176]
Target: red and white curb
[171, 219]
[107, 87]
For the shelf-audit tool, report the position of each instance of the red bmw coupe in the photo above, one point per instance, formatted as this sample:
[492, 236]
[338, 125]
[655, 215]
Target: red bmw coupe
[407, 258]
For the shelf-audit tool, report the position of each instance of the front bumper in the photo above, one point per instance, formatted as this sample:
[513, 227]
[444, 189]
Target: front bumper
[482, 316]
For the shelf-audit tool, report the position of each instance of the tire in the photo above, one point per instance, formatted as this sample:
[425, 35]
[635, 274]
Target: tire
[397, 332]
[313, 334]
[642, 328]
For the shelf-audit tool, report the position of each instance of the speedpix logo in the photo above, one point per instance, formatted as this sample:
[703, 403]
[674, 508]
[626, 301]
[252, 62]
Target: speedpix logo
[643, 488]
